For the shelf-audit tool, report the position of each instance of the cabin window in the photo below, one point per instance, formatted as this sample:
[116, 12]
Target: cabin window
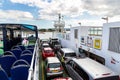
[96, 31]
[63, 36]
[92, 56]
[76, 33]
[114, 40]
[67, 36]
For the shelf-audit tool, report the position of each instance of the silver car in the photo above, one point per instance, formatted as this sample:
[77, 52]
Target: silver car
[53, 67]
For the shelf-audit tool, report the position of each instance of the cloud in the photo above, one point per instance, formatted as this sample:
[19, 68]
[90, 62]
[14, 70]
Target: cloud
[48, 9]
[84, 22]
[114, 18]
[15, 14]
[102, 7]
[73, 8]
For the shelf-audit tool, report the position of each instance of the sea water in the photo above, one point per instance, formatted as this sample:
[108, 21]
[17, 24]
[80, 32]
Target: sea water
[45, 35]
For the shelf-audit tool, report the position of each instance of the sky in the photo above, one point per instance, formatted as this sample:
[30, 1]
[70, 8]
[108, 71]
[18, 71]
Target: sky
[43, 13]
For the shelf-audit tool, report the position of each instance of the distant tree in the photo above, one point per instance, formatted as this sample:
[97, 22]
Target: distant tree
[50, 30]
[42, 30]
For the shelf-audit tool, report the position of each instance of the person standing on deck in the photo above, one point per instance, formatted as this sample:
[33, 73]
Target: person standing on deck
[25, 42]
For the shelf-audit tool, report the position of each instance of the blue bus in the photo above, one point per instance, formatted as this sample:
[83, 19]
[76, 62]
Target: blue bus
[13, 34]
[17, 61]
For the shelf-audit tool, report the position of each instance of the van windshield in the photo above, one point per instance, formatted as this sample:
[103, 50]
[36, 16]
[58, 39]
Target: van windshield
[109, 78]
[70, 55]
[46, 46]
[54, 65]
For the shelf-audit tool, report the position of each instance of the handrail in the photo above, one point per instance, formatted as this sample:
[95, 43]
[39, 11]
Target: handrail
[35, 60]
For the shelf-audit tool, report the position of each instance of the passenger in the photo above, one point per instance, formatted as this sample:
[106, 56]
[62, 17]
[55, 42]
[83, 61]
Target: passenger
[25, 42]
[18, 39]
[7, 43]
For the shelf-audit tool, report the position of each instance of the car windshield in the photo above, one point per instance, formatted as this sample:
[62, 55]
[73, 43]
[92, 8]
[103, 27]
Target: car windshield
[48, 51]
[54, 65]
[70, 55]
[55, 39]
[45, 45]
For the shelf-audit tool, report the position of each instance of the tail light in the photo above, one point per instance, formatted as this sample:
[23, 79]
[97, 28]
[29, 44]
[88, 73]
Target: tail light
[61, 68]
[48, 69]
[53, 54]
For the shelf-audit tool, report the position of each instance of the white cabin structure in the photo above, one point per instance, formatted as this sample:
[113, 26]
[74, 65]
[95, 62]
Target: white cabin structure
[101, 43]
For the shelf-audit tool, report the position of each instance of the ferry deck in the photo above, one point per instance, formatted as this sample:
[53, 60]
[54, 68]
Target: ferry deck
[14, 67]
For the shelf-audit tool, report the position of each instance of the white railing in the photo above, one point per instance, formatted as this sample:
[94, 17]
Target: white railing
[34, 67]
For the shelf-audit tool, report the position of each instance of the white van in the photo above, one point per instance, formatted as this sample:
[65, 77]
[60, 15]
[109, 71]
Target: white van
[88, 69]
[66, 53]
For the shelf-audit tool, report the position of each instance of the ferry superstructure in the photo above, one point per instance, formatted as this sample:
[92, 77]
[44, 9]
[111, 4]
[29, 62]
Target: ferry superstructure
[101, 43]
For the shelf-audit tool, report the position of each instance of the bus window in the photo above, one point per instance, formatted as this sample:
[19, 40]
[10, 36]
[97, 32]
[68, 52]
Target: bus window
[1, 42]
[9, 35]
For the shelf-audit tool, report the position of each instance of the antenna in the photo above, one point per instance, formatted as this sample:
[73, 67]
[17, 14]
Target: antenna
[59, 24]
[59, 16]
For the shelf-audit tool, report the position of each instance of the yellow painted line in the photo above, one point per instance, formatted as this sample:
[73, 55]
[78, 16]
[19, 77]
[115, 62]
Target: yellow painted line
[42, 71]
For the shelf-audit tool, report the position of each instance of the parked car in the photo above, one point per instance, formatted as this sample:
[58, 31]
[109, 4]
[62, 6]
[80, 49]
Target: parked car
[45, 45]
[63, 78]
[65, 54]
[88, 69]
[47, 52]
[56, 46]
[53, 67]
[52, 41]
[43, 41]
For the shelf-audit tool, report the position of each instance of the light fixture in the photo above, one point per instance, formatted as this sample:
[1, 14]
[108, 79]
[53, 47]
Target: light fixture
[79, 23]
[105, 18]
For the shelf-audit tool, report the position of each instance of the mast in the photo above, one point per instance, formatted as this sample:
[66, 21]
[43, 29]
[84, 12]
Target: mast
[59, 24]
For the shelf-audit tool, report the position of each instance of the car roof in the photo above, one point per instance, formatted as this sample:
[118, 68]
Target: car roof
[44, 39]
[63, 78]
[54, 38]
[47, 48]
[45, 44]
[94, 68]
[67, 50]
[53, 60]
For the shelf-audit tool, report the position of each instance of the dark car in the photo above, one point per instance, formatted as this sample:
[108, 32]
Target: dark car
[52, 41]
[56, 46]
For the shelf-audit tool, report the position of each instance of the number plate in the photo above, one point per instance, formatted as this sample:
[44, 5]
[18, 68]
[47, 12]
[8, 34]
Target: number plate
[55, 70]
